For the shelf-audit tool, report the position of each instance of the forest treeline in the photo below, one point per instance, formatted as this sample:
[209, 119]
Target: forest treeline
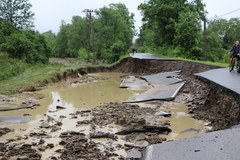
[106, 35]
[170, 28]
[175, 28]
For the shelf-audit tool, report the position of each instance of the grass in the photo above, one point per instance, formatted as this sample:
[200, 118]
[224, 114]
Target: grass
[30, 77]
[218, 64]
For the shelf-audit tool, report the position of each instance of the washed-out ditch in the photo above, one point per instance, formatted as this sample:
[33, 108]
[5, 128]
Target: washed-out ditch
[112, 112]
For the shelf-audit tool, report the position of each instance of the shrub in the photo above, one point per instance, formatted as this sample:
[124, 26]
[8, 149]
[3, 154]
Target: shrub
[28, 45]
[83, 54]
[10, 67]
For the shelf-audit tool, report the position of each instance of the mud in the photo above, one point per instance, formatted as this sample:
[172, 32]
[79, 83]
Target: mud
[207, 101]
[50, 135]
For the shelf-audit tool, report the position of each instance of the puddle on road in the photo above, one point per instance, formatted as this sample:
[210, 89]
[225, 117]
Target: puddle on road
[181, 121]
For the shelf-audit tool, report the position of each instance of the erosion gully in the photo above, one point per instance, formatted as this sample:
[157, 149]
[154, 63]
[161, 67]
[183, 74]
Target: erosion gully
[74, 96]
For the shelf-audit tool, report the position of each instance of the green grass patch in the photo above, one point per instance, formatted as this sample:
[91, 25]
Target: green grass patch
[218, 64]
[30, 77]
[32, 74]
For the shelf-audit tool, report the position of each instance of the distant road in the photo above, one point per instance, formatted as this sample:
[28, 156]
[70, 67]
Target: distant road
[149, 56]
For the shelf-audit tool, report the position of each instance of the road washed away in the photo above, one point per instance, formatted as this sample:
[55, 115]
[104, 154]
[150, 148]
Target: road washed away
[161, 86]
[84, 118]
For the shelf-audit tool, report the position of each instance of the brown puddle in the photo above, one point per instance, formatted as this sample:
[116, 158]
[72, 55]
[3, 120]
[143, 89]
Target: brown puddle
[85, 97]
[80, 97]
[182, 122]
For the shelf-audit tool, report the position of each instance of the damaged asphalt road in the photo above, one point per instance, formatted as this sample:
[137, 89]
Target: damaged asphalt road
[204, 100]
[161, 86]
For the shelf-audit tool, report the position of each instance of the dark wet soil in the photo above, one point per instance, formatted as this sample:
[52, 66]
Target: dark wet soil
[208, 101]
[205, 100]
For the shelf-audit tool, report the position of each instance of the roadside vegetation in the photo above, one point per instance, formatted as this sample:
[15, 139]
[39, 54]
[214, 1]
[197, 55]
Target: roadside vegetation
[103, 37]
[176, 29]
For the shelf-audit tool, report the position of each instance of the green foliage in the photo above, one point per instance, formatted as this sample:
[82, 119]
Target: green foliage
[215, 48]
[61, 42]
[162, 15]
[10, 67]
[112, 34]
[226, 30]
[174, 29]
[6, 29]
[28, 45]
[83, 54]
[50, 38]
[17, 12]
[187, 35]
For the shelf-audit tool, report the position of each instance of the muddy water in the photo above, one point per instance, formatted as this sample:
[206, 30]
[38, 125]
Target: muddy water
[79, 97]
[87, 96]
[182, 125]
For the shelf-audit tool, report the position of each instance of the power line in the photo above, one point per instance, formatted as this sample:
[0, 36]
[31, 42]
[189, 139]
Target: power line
[225, 14]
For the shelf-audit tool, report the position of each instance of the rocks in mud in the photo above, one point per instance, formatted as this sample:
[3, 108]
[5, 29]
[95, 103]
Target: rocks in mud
[77, 146]
[103, 135]
[41, 141]
[134, 154]
[83, 122]
[122, 114]
[60, 107]
[26, 89]
[154, 129]
[191, 130]
[50, 145]
[27, 115]
[4, 131]
[21, 151]
[38, 134]
[164, 114]
[151, 138]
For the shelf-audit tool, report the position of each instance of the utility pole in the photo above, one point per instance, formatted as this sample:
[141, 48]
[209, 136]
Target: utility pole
[205, 38]
[89, 29]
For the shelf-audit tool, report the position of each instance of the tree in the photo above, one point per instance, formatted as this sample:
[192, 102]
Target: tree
[6, 29]
[17, 12]
[188, 32]
[28, 45]
[113, 24]
[225, 30]
[51, 40]
[161, 16]
[113, 31]
[62, 41]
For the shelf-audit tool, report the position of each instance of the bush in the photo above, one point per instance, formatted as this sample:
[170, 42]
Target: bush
[28, 45]
[10, 67]
[83, 54]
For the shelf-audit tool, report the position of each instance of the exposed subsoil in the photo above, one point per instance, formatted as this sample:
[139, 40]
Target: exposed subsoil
[205, 100]
[208, 101]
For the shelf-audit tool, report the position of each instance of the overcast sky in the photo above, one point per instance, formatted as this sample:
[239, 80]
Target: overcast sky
[49, 13]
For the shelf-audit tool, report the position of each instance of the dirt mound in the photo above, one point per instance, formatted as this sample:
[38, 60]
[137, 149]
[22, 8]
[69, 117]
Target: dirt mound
[142, 66]
[209, 101]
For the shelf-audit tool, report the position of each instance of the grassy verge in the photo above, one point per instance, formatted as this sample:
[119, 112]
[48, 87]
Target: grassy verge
[218, 64]
[29, 77]
[35, 73]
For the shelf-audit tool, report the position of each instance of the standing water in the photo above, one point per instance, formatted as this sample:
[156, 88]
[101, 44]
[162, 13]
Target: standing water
[63, 99]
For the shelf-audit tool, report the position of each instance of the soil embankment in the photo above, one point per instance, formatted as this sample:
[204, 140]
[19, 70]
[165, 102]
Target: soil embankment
[54, 137]
[208, 101]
